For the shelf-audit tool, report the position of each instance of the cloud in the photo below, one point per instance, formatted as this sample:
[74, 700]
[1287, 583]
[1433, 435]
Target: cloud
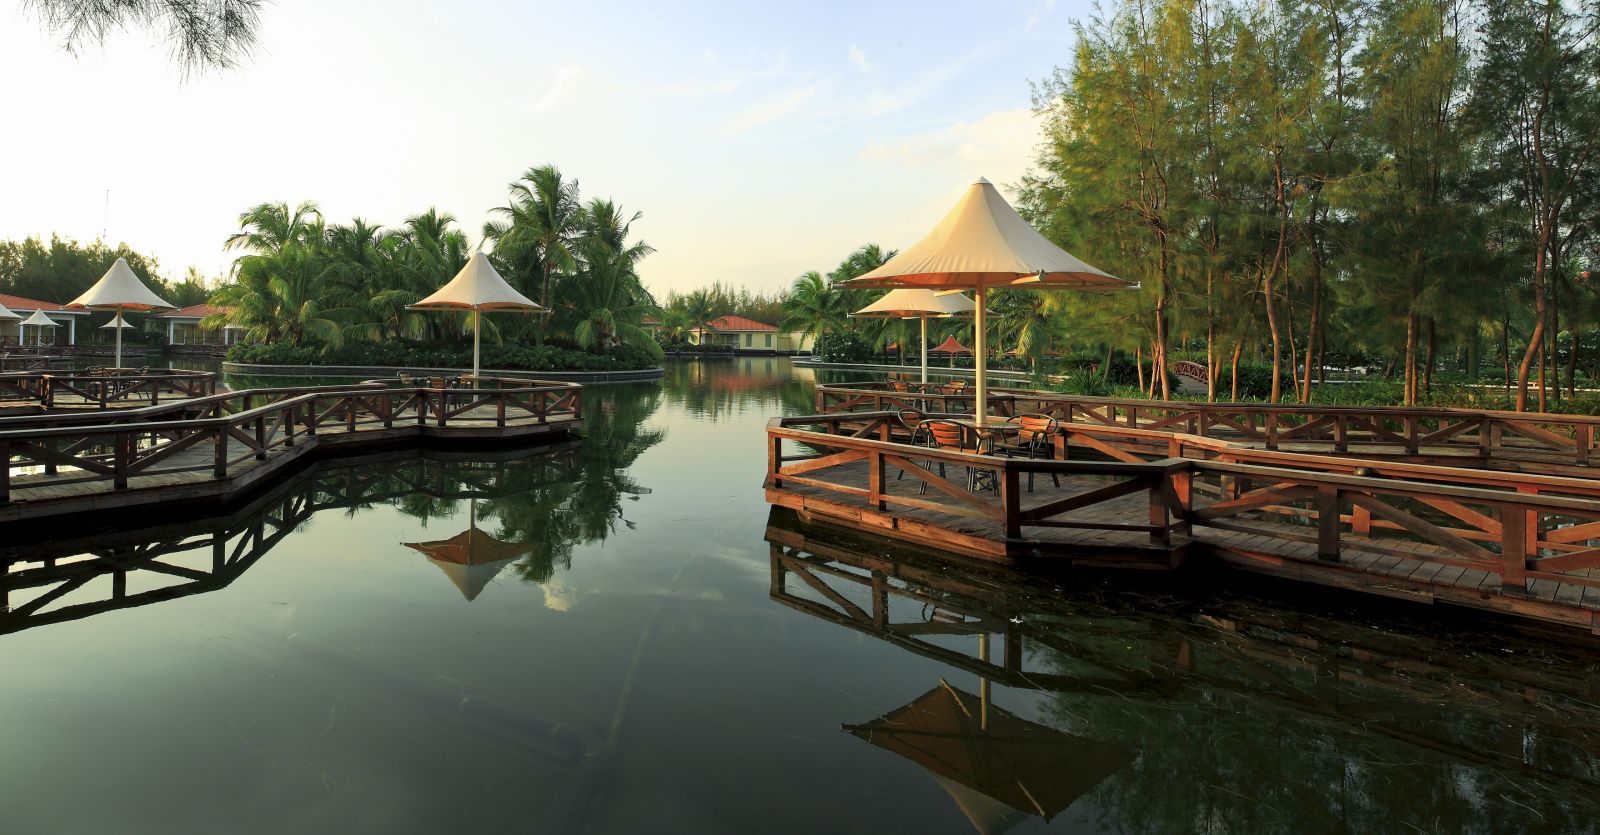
[859, 58]
[1000, 145]
[775, 108]
[566, 84]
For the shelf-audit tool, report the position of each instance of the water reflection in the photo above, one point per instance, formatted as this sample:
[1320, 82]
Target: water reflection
[50, 579]
[1244, 715]
[718, 388]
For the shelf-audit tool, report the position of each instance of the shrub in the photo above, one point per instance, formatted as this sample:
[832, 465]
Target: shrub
[1255, 381]
[444, 355]
[842, 346]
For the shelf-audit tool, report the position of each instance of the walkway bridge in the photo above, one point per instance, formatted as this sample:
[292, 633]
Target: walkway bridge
[1492, 510]
[214, 447]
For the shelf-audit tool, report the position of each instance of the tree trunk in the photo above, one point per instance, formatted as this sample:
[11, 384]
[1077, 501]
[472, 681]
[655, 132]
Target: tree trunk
[1238, 348]
[1313, 332]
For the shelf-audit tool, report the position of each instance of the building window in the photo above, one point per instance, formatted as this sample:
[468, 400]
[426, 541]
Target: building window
[769, 340]
[749, 340]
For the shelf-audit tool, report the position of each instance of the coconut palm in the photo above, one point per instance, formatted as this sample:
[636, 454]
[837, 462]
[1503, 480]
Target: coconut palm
[813, 306]
[270, 227]
[536, 234]
[605, 304]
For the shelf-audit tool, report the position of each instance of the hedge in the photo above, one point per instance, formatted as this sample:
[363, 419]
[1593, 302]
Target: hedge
[435, 355]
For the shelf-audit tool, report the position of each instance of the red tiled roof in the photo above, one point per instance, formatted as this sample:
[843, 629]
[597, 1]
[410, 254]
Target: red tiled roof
[738, 323]
[649, 320]
[196, 310]
[17, 302]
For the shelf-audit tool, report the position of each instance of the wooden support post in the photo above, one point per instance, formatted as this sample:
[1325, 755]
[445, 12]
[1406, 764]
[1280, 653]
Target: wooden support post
[122, 447]
[1328, 523]
[500, 410]
[350, 414]
[387, 402]
[875, 480]
[1160, 523]
[1010, 501]
[1183, 488]
[1412, 438]
[1518, 533]
[261, 437]
[422, 406]
[1341, 434]
[1272, 430]
[1584, 441]
[288, 425]
[880, 600]
[774, 462]
[219, 459]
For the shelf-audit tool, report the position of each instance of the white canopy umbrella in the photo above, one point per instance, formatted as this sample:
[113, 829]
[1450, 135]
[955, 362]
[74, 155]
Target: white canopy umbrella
[918, 303]
[38, 320]
[984, 243]
[119, 290]
[5, 313]
[479, 288]
[116, 322]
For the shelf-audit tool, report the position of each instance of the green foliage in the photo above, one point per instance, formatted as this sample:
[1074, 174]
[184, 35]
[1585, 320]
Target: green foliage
[435, 355]
[1255, 381]
[843, 346]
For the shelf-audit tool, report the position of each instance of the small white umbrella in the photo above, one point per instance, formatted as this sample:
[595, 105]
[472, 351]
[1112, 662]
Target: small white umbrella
[119, 289]
[38, 320]
[116, 322]
[5, 313]
[917, 303]
[984, 243]
[478, 288]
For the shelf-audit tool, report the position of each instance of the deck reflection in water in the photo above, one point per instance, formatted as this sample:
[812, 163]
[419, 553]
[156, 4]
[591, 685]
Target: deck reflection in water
[1156, 712]
[55, 579]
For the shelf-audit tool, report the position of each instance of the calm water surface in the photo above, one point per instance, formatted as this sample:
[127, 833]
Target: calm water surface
[613, 636]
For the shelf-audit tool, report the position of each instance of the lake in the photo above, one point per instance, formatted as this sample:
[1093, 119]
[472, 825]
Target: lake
[615, 635]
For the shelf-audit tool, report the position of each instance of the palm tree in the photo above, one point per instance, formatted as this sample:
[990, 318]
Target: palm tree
[270, 227]
[700, 307]
[813, 305]
[277, 297]
[606, 303]
[536, 233]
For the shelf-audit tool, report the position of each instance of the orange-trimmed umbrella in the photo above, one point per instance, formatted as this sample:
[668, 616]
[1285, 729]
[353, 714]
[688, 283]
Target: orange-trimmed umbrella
[119, 290]
[998, 767]
[951, 346]
[984, 243]
[471, 558]
[478, 287]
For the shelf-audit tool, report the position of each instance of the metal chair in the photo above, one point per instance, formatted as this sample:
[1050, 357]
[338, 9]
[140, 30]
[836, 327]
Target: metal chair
[1035, 439]
[950, 436]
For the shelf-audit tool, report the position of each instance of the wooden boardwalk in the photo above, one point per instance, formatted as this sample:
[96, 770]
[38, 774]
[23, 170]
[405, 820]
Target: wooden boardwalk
[215, 448]
[1520, 544]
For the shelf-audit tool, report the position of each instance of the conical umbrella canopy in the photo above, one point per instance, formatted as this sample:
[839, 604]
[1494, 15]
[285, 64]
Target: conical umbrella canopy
[951, 346]
[984, 242]
[990, 759]
[5, 313]
[913, 302]
[470, 559]
[39, 319]
[116, 322]
[119, 289]
[478, 286]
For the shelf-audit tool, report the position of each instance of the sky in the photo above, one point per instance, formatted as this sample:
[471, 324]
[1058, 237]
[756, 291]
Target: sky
[758, 139]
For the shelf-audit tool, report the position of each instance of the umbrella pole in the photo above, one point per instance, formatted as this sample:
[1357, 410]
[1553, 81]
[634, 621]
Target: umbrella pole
[982, 405]
[118, 329]
[924, 318]
[477, 340]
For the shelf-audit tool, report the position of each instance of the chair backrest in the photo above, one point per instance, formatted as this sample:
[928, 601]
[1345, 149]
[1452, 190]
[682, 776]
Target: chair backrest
[953, 387]
[909, 418]
[899, 385]
[945, 434]
[1031, 427]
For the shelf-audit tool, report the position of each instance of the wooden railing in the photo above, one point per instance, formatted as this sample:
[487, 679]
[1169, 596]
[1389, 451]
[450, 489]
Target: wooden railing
[827, 443]
[115, 389]
[1516, 526]
[1192, 370]
[1467, 437]
[242, 426]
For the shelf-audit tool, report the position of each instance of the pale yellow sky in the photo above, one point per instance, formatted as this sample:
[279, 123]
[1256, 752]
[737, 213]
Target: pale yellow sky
[760, 141]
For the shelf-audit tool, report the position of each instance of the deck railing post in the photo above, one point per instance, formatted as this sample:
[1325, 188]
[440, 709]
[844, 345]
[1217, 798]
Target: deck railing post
[1517, 538]
[219, 460]
[774, 461]
[1272, 430]
[1160, 520]
[261, 437]
[1328, 523]
[500, 409]
[122, 451]
[350, 413]
[875, 480]
[1583, 441]
[1183, 488]
[288, 425]
[1010, 499]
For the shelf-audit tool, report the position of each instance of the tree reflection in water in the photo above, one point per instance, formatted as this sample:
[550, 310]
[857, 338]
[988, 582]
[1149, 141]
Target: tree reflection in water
[1247, 715]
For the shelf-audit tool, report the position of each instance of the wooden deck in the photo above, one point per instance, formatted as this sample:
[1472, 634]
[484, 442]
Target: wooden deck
[215, 448]
[1521, 544]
